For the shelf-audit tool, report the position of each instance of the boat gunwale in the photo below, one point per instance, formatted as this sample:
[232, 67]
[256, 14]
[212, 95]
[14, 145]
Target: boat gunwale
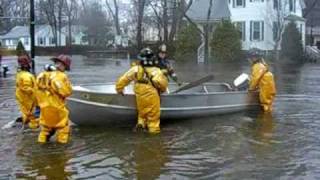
[161, 108]
[170, 94]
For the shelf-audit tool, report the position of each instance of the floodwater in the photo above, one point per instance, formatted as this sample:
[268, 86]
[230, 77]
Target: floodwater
[284, 145]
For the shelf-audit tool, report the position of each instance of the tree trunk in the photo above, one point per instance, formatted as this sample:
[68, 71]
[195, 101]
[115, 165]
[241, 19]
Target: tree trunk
[206, 43]
[206, 34]
[165, 21]
[116, 18]
[69, 30]
[140, 8]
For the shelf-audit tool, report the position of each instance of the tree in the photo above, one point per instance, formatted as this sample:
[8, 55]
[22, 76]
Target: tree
[115, 14]
[207, 28]
[48, 6]
[20, 49]
[277, 13]
[96, 23]
[71, 12]
[226, 41]
[188, 40]
[169, 16]
[140, 7]
[291, 44]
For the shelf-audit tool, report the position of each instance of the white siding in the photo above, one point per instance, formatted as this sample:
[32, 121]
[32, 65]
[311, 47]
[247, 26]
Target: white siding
[262, 10]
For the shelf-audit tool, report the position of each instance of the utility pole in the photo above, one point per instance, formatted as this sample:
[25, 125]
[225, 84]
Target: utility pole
[32, 34]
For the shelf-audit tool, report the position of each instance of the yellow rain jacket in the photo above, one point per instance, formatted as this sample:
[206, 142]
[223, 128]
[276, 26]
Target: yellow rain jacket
[149, 82]
[262, 79]
[53, 88]
[25, 95]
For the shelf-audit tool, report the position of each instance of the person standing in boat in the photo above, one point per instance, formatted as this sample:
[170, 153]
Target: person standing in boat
[149, 82]
[262, 79]
[165, 65]
[53, 89]
[25, 92]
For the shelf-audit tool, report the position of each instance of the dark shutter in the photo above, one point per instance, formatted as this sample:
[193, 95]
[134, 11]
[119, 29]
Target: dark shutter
[251, 30]
[233, 3]
[244, 3]
[262, 30]
[244, 30]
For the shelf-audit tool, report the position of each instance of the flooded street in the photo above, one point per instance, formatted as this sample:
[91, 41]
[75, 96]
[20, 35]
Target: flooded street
[284, 145]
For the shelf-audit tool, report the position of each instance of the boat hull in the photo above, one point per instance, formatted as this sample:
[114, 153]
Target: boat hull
[90, 106]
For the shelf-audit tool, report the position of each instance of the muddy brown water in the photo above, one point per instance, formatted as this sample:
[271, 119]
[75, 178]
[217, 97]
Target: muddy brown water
[284, 145]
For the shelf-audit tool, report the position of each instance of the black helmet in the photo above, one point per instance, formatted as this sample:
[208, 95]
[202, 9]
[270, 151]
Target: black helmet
[146, 53]
[147, 57]
[255, 53]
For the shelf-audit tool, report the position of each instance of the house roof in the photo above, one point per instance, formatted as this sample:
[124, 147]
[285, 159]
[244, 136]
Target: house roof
[303, 4]
[23, 31]
[293, 17]
[16, 32]
[199, 10]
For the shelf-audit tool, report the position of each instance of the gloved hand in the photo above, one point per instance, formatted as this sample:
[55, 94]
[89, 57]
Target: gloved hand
[121, 93]
[174, 78]
[49, 67]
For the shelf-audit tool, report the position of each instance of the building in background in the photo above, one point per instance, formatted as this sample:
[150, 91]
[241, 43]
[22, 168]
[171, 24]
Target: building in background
[257, 20]
[77, 35]
[312, 15]
[43, 37]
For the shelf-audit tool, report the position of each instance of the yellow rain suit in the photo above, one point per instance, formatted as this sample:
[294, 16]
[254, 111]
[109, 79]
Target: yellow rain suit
[53, 88]
[25, 95]
[149, 82]
[262, 79]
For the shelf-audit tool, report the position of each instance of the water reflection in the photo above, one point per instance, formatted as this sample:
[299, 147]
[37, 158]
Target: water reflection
[47, 161]
[150, 156]
[264, 127]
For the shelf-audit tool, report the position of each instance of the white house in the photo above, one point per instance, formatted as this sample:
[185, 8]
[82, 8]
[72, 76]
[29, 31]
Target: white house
[315, 33]
[43, 37]
[257, 20]
[77, 34]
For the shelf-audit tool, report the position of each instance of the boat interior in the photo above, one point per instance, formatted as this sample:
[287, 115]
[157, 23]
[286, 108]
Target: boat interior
[110, 88]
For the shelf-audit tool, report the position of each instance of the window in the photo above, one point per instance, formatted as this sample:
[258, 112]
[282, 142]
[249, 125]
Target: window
[14, 42]
[73, 40]
[84, 39]
[276, 4]
[26, 41]
[40, 41]
[241, 26]
[256, 0]
[52, 40]
[292, 5]
[256, 30]
[238, 3]
[275, 30]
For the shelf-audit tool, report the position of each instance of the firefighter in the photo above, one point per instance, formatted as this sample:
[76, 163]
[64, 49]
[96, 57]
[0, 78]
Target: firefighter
[25, 92]
[262, 79]
[149, 83]
[53, 89]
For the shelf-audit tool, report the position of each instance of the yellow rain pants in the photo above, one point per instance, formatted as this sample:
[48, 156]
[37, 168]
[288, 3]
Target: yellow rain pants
[53, 88]
[262, 79]
[147, 94]
[25, 95]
